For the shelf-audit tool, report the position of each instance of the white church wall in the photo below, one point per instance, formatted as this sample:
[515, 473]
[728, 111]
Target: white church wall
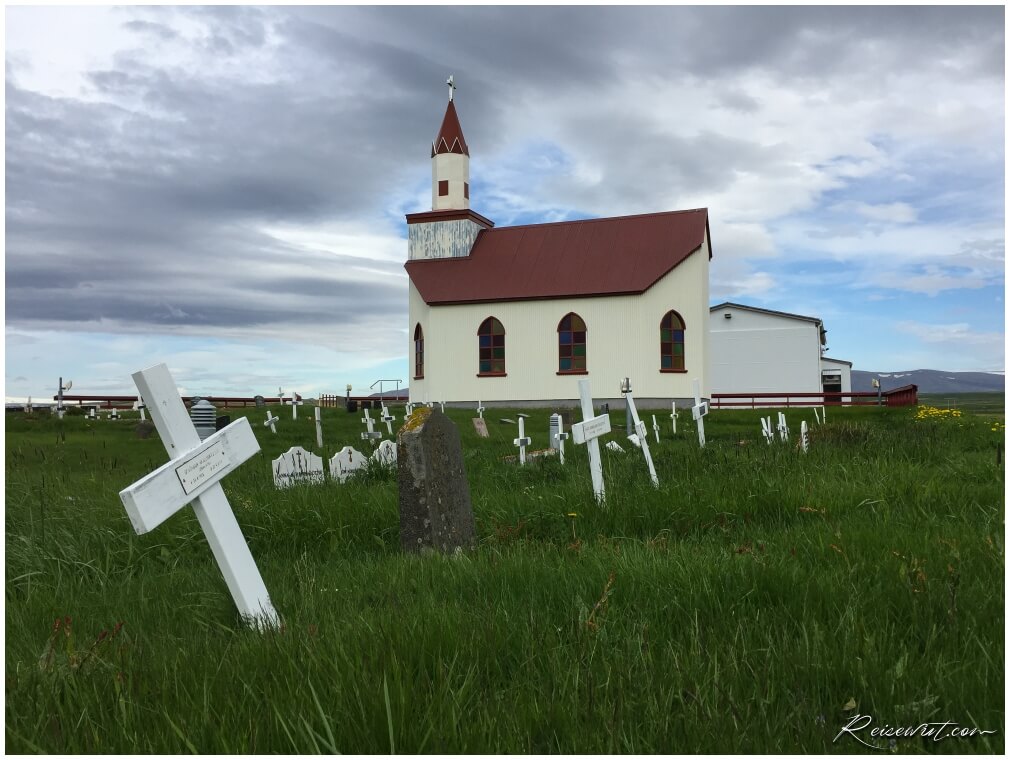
[622, 341]
[754, 352]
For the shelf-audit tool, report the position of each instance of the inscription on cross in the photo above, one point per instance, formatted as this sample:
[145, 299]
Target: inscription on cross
[192, 476]
[296, 401]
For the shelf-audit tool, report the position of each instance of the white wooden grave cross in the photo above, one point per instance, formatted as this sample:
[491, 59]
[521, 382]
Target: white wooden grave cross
[28, 405]
[138, 405]
[271, 420]
[698, 411]
[192, 476]
[408, 410]
[91, 414]
[615, 446]
[280, 396]
[824, 415]
[561, 436]
[522, 441]
[766, 429]
[588, 432]
[442, 404]
[296, 401]
[804, 437]
[319, 427]
[388, 419]
[783, 427]
[817, 415]
[114, 414]
[643, 437]
[372, 434]
[673, 417]
[655, 428]
[480, 410]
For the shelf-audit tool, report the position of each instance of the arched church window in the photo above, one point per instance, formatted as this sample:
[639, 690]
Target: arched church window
[418, 352]
[491, 347]
[572, 345]
[671, 343]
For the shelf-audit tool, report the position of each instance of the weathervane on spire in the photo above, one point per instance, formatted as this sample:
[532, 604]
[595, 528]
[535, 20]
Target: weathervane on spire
[452, 86]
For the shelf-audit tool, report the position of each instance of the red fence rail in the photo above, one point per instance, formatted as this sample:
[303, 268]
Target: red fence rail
[328, 399]
[907, 395]
[126, 402]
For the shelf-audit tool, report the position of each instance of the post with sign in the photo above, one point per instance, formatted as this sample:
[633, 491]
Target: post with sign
[588, 432]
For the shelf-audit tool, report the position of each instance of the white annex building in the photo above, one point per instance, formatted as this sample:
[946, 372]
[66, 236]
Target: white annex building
[517, 315]
[763, 351]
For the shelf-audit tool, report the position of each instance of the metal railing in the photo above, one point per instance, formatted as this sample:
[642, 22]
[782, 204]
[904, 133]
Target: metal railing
[907, 395]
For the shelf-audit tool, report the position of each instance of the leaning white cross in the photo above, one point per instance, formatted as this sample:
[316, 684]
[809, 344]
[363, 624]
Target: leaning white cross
[319, 427]
[588, 432]
[783, 427]
[296, 401]
[643, 437]
[655, 428]
[388, 419]
[804, 439]
[138, 405]
[561, 436]
[766, 429]
[522, 441]
[480, 410]
[698, 411]
[817, 415]
[270, 422]
[192, 476]
[372, 434]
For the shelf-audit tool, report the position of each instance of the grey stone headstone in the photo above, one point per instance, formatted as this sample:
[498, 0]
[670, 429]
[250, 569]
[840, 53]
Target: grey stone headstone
[260, 401]
[480, 425]
[435, 508]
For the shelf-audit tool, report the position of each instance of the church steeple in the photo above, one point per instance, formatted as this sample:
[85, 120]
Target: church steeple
[450, 162]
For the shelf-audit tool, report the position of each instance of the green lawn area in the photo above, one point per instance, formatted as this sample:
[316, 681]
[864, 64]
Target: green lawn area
[755, 602]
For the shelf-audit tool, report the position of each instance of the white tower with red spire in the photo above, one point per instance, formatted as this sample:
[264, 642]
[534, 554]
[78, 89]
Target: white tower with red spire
[450, 162]
[451, 227]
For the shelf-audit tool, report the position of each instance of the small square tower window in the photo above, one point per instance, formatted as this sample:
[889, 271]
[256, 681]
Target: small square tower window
[443, 187]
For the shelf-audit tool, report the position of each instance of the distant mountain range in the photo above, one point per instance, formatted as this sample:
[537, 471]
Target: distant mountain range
[931, 381]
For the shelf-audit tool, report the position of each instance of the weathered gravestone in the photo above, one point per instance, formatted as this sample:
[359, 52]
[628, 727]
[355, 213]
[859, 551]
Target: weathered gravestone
[435, 509]
[259, 401]
[345, 463]
[296, 465]
[480, 425]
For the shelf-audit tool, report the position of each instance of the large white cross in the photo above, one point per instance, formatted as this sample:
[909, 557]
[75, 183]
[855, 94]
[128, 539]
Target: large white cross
[783, 427]
[270, 422]
[643, 437]
[452, 86]
[372, 433]
[319, 427]
[587, 432]
[522, 441]
[192, 476]
[698, 411]
[295, 403]
[804, 436]
[561, 436]
[388, 419]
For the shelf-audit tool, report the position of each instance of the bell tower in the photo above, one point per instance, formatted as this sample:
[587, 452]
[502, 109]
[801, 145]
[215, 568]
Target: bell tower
[450, 162]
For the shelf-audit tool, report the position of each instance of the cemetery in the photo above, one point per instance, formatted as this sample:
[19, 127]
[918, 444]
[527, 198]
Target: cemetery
[327, 581]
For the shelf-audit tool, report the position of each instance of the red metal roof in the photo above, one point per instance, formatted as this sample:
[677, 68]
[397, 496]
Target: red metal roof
[592, 257]
[450, 135]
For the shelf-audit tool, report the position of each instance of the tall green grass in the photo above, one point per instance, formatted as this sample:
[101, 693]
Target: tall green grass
[739, 607]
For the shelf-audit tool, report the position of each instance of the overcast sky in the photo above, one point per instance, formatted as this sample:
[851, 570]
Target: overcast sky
[224, 189]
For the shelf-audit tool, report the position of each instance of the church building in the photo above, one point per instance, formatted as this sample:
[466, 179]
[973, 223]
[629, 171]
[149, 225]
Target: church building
[518, 315]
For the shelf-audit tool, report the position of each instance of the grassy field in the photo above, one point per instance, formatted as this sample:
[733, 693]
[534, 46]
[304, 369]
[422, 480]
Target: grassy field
[755, 602]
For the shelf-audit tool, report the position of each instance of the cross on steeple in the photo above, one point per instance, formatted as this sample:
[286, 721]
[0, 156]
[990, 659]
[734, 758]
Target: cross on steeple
[452, 86]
